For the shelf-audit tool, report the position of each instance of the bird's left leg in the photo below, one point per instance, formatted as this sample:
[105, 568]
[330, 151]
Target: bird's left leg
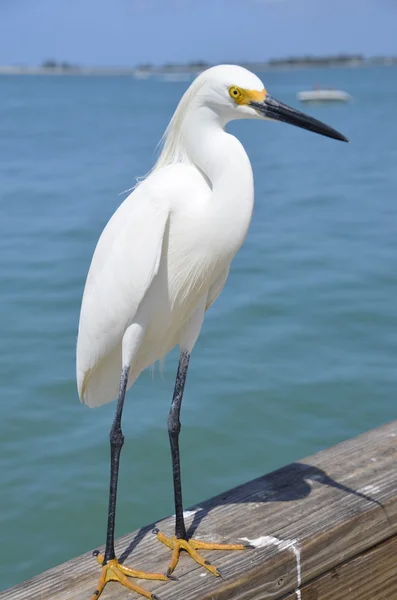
[180, 540]
[112, 570]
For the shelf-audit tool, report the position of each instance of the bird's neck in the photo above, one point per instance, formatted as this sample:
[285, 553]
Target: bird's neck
[219, 156]
[222, 160]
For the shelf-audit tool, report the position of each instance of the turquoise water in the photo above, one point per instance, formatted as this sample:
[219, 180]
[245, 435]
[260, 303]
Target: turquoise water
[297, 354]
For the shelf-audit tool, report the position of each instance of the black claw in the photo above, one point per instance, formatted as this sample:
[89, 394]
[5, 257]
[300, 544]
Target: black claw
[171, 577]
[154, 597]
[95, 553]
[155, 531]
[249, 546]
[169, 573]
[96, 593]
[219, 573]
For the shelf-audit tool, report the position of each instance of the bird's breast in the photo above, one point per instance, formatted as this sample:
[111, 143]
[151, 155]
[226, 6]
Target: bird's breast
[201, 244]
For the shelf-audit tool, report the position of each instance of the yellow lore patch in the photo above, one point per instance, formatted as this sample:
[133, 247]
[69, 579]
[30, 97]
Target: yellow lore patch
[244, 97]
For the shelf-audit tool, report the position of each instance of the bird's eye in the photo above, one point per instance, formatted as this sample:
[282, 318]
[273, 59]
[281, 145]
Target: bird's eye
[235, 93]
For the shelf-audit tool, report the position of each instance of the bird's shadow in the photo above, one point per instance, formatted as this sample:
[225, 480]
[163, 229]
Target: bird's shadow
[287, 484]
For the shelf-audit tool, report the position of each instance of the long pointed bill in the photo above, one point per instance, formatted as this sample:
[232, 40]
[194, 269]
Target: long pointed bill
[273, 109]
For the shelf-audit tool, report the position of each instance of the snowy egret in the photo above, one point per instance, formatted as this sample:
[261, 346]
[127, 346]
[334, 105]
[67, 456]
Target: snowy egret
[162, 260]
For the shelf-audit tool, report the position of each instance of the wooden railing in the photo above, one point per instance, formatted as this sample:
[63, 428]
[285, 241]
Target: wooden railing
[324, 528]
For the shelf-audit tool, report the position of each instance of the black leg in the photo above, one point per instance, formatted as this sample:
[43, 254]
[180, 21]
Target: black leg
[174, 427]
[116, 443]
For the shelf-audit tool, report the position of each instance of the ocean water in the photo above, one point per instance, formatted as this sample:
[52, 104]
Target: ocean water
[298, 353]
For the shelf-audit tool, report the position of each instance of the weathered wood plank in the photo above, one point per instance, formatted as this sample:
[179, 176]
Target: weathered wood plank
[317, 514]
[371, 575]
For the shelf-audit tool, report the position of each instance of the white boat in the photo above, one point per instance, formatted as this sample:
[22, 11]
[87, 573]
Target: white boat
[324, 95]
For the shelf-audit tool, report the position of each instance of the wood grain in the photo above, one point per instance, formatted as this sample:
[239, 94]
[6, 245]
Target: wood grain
[336, 511]
[372, 575]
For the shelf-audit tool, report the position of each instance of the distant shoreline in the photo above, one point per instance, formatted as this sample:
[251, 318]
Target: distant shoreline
[145, 71]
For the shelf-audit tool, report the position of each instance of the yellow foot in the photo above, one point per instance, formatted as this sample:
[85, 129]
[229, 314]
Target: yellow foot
[191, 546]
[114, 571]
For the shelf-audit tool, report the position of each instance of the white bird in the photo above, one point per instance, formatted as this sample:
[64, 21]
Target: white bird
[163, 259]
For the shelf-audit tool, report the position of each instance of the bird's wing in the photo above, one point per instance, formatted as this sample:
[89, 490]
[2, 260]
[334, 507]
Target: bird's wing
[124, 264]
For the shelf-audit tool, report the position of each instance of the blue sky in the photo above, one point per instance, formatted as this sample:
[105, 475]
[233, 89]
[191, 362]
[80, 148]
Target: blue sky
[128, 32]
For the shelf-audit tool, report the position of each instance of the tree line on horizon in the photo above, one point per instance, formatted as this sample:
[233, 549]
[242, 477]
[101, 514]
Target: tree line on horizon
[51, 64]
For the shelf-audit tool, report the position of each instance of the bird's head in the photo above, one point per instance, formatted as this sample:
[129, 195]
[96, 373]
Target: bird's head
[235, 93]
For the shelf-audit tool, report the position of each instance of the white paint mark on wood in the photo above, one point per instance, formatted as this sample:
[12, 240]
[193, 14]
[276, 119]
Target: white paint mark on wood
[292, 545]
[191, 513]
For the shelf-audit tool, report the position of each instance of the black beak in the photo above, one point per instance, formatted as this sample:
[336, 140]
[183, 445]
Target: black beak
[273, 109]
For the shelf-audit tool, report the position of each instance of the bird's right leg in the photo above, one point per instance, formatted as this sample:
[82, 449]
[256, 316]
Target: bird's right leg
[112, 570]
[180, 541]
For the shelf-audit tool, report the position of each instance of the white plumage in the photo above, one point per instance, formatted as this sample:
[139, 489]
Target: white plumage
[166, 251]
[164, 256]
